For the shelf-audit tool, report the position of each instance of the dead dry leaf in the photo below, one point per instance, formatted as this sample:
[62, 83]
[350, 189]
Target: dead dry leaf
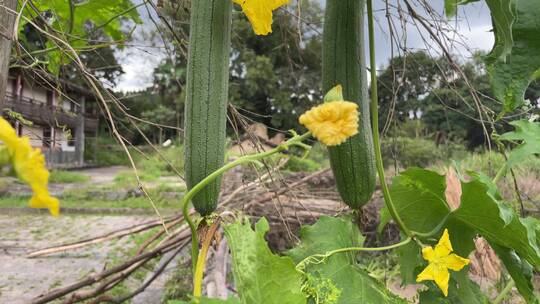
[453, 189]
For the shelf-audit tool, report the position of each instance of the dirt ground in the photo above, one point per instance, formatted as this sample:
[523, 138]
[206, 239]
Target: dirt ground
[102, 175]
[22, 279]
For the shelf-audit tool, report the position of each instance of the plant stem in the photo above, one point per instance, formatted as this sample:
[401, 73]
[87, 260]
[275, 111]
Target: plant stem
[500, 175]
[319, 258]
[201, 261]
[504, 292]
[375, 125]
[253, 158]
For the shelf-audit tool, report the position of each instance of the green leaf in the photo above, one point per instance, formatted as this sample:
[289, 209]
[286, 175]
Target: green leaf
[260, 275]
[512, 71]
[354, 284]
[506, 212]
[450, 6]
[529, 134]
[419, 198]
[103, 15]
[431, 296]
[503, 17]
[335, 94]
[464, 291]
[461, 290]
[520, 271]
[480, 211]
[410, 262]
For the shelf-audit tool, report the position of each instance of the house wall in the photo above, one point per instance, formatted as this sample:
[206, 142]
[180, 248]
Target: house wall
[65, 103]
[35, 133]
[63, 151]
[36, 93]
[9, 87]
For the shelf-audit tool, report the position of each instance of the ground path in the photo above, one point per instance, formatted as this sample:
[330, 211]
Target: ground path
[22, 279]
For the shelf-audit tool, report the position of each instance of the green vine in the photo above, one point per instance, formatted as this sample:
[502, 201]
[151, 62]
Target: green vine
[296, 140]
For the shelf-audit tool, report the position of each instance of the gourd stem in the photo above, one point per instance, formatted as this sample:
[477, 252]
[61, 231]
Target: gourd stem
[252, 158]
[375, 125]
[504, 292]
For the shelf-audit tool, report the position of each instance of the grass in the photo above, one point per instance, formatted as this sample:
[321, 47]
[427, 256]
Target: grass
[67, 177]
[134, 203]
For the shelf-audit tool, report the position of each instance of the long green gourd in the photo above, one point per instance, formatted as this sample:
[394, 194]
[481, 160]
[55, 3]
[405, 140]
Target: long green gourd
[206, 97]
[353, 162]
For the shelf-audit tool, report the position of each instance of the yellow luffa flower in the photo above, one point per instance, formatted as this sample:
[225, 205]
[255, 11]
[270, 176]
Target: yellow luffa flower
[259, 13]
[29, 165]
[440, 260]
[332, 122]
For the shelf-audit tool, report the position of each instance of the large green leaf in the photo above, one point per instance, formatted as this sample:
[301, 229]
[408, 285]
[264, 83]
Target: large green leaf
[529, 134]
[511, 74]
[339, 271]
[503, 16]
[418, 192]
[520, 271]
[260, 275]
[410, 262]
[419, 198]
[461, 290]
[450, 6]
[480, 211]
[73, 23]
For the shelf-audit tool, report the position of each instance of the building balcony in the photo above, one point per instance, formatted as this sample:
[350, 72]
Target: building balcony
[44, 114]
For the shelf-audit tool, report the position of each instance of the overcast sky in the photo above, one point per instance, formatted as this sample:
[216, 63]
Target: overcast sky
[473, 24]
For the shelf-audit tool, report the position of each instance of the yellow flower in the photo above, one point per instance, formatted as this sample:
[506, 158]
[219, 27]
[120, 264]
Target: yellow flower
[29, 165]
[332, 122]
[259, 13]
[440, 260]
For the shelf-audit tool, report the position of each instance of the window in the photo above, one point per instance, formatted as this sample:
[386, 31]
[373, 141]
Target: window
[47, 137]
[71, 138]
[50, 98]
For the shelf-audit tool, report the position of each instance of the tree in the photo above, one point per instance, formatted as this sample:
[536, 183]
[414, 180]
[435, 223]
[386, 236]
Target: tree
[278, 76]
[7, 20]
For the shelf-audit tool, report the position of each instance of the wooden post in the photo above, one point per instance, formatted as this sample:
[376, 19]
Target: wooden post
[7, 20]
[79, 133]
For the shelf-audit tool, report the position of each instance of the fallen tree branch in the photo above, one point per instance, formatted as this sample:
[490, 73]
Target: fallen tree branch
[106, 237]
[92, 279]
[150, 280]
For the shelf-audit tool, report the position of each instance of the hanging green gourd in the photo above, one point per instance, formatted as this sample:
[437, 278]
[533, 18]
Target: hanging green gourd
[206, 97]
[353, 162]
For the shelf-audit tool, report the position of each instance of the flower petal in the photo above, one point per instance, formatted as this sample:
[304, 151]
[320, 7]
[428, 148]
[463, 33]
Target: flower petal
[259, 13]
[43, 200]
[7, 134]
[428, 253]
[275, 4]
[455, 262]
[333, 122]
[442, 277]
[428, 274]
[444, 247]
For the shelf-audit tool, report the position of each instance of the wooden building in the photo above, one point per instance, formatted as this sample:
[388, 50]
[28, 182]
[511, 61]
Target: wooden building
[57, 116]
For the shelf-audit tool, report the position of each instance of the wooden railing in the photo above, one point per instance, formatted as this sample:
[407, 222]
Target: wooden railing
[42, 113]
